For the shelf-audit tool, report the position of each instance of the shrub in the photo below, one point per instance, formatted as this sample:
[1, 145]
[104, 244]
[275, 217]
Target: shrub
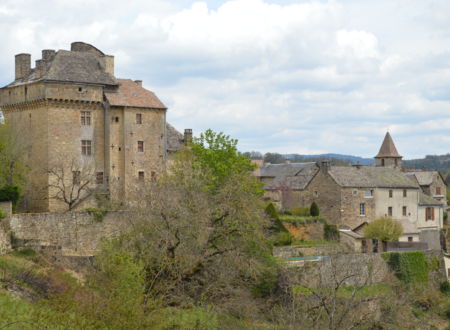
[314, 210]
[193, 318]
[3, 214]
[409, 267]
[301, 211]
[283, 239]
[445, 287]
[97, 213]
[10, 193]
[330, 232]
[384, 229]
[271, 211]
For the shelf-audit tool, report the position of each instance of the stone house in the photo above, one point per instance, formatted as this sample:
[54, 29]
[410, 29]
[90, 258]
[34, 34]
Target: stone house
[352, 195]
[432, 184]
[73, 109]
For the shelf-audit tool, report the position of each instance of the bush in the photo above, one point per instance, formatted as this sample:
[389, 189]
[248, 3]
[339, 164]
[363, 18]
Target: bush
[283, 239]
[445, 287]
[194, 318]
[409, 267]
[271, 211]
[301, 211]
[330, 232]
[3, 214]
[97, 213]
[314, 210]
[10, 193]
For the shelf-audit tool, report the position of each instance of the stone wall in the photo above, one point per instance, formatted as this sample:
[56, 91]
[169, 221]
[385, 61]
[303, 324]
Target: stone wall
[74, 234]
[286, 252]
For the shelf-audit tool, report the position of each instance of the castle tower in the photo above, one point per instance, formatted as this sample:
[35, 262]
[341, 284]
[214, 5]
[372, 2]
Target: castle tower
[388, 155]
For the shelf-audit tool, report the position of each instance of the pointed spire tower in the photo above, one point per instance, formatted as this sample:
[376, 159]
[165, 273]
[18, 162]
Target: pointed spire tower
[388, 155]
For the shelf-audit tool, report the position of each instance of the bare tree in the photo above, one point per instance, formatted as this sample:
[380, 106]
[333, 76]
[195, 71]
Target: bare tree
[72, 181]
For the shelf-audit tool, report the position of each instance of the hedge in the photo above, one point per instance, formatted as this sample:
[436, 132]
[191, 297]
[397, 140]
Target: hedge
[409, 267]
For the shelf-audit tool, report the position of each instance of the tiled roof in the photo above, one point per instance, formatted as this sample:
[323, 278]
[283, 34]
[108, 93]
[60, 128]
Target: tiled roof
[388, 148]
[425, 178]
[131, 94]
[68, 66]
[174, 138]
[295, 176]
[428, 200]
[370, 177]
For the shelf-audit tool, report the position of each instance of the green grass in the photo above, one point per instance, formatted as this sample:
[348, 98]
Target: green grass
[302, 220]
[317, 242]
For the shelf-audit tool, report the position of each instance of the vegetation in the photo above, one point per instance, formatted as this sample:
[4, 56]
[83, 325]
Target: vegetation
[409, 267]
[300, 211]
[314, 210]
[384, 229]
[10, 193]
[97, 213]
[330, 232]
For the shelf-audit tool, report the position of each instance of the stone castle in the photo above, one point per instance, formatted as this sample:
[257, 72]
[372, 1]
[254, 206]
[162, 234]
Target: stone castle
[87, 129]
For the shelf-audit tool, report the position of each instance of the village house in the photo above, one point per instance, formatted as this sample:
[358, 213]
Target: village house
[80, 118]
[350, 196]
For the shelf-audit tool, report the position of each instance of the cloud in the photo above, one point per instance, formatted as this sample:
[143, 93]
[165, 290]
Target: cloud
[285, 76]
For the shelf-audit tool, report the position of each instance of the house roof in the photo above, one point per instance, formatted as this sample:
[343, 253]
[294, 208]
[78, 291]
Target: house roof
[132, 94]
[370, 177]
[424, 199]
[71, 66]
[425, 178]
[174, 138]
[351, 233]
[295, 176]
[388, 148]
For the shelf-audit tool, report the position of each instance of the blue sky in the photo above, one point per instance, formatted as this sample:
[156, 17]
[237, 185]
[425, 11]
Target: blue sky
[283, 76]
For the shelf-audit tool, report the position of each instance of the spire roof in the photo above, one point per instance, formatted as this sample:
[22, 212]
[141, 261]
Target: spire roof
[388, 148]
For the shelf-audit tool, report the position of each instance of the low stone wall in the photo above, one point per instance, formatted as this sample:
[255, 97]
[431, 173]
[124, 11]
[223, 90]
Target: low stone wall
[286, 252]
[74, 234]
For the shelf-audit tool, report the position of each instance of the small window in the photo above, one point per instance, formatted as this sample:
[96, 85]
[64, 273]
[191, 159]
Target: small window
[140, 146]
[76, 177]
[139, 118]
[99, 178]
[86, 147]
[362, 209]
[390, 211]
[141, 175]
[438, 190]
[405, 193]
[391, 193]
[85, 118]
[382, 162]
[429, 213]
[117, 119]
[410, 239]
[316, 193]
[114, 119]
[368, 193]
[404, 211]
[355, 192]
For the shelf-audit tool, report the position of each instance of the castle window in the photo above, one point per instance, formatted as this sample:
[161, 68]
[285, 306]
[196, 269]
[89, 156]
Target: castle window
[382, 162]
[86, 147]
[85, 118]
[438, 190]
[139, 118]
[410, 239]
[390, 211]
[368, 193]
[140, 146]
[429, 213]
[405, 193]
[404, 211]
[362, 209]
[114, 119]
[76, 177]
[99, 178]
[391, 193]
[141, 175]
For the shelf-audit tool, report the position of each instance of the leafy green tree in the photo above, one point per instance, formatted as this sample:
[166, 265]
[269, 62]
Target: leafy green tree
[217, 156]
[13, 150]
[314, 210]
[384, 229]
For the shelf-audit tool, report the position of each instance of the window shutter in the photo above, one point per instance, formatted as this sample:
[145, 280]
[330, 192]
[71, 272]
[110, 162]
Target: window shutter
[426, 213]
[432, 213]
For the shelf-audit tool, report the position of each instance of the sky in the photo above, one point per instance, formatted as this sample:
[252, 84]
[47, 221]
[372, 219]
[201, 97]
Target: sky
[285, 76]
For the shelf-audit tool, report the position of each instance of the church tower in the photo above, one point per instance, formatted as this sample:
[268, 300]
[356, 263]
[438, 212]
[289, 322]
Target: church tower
[388, 155]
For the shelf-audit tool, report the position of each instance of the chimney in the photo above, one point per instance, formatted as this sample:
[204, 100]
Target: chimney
[47, 54]
[108, 61]
[39, 68]
[139, 82]
[324, 166]
[23, 65]
[187, 135]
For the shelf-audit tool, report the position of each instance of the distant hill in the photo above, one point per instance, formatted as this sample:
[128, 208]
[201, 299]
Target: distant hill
[430, 162]
[344, 158]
